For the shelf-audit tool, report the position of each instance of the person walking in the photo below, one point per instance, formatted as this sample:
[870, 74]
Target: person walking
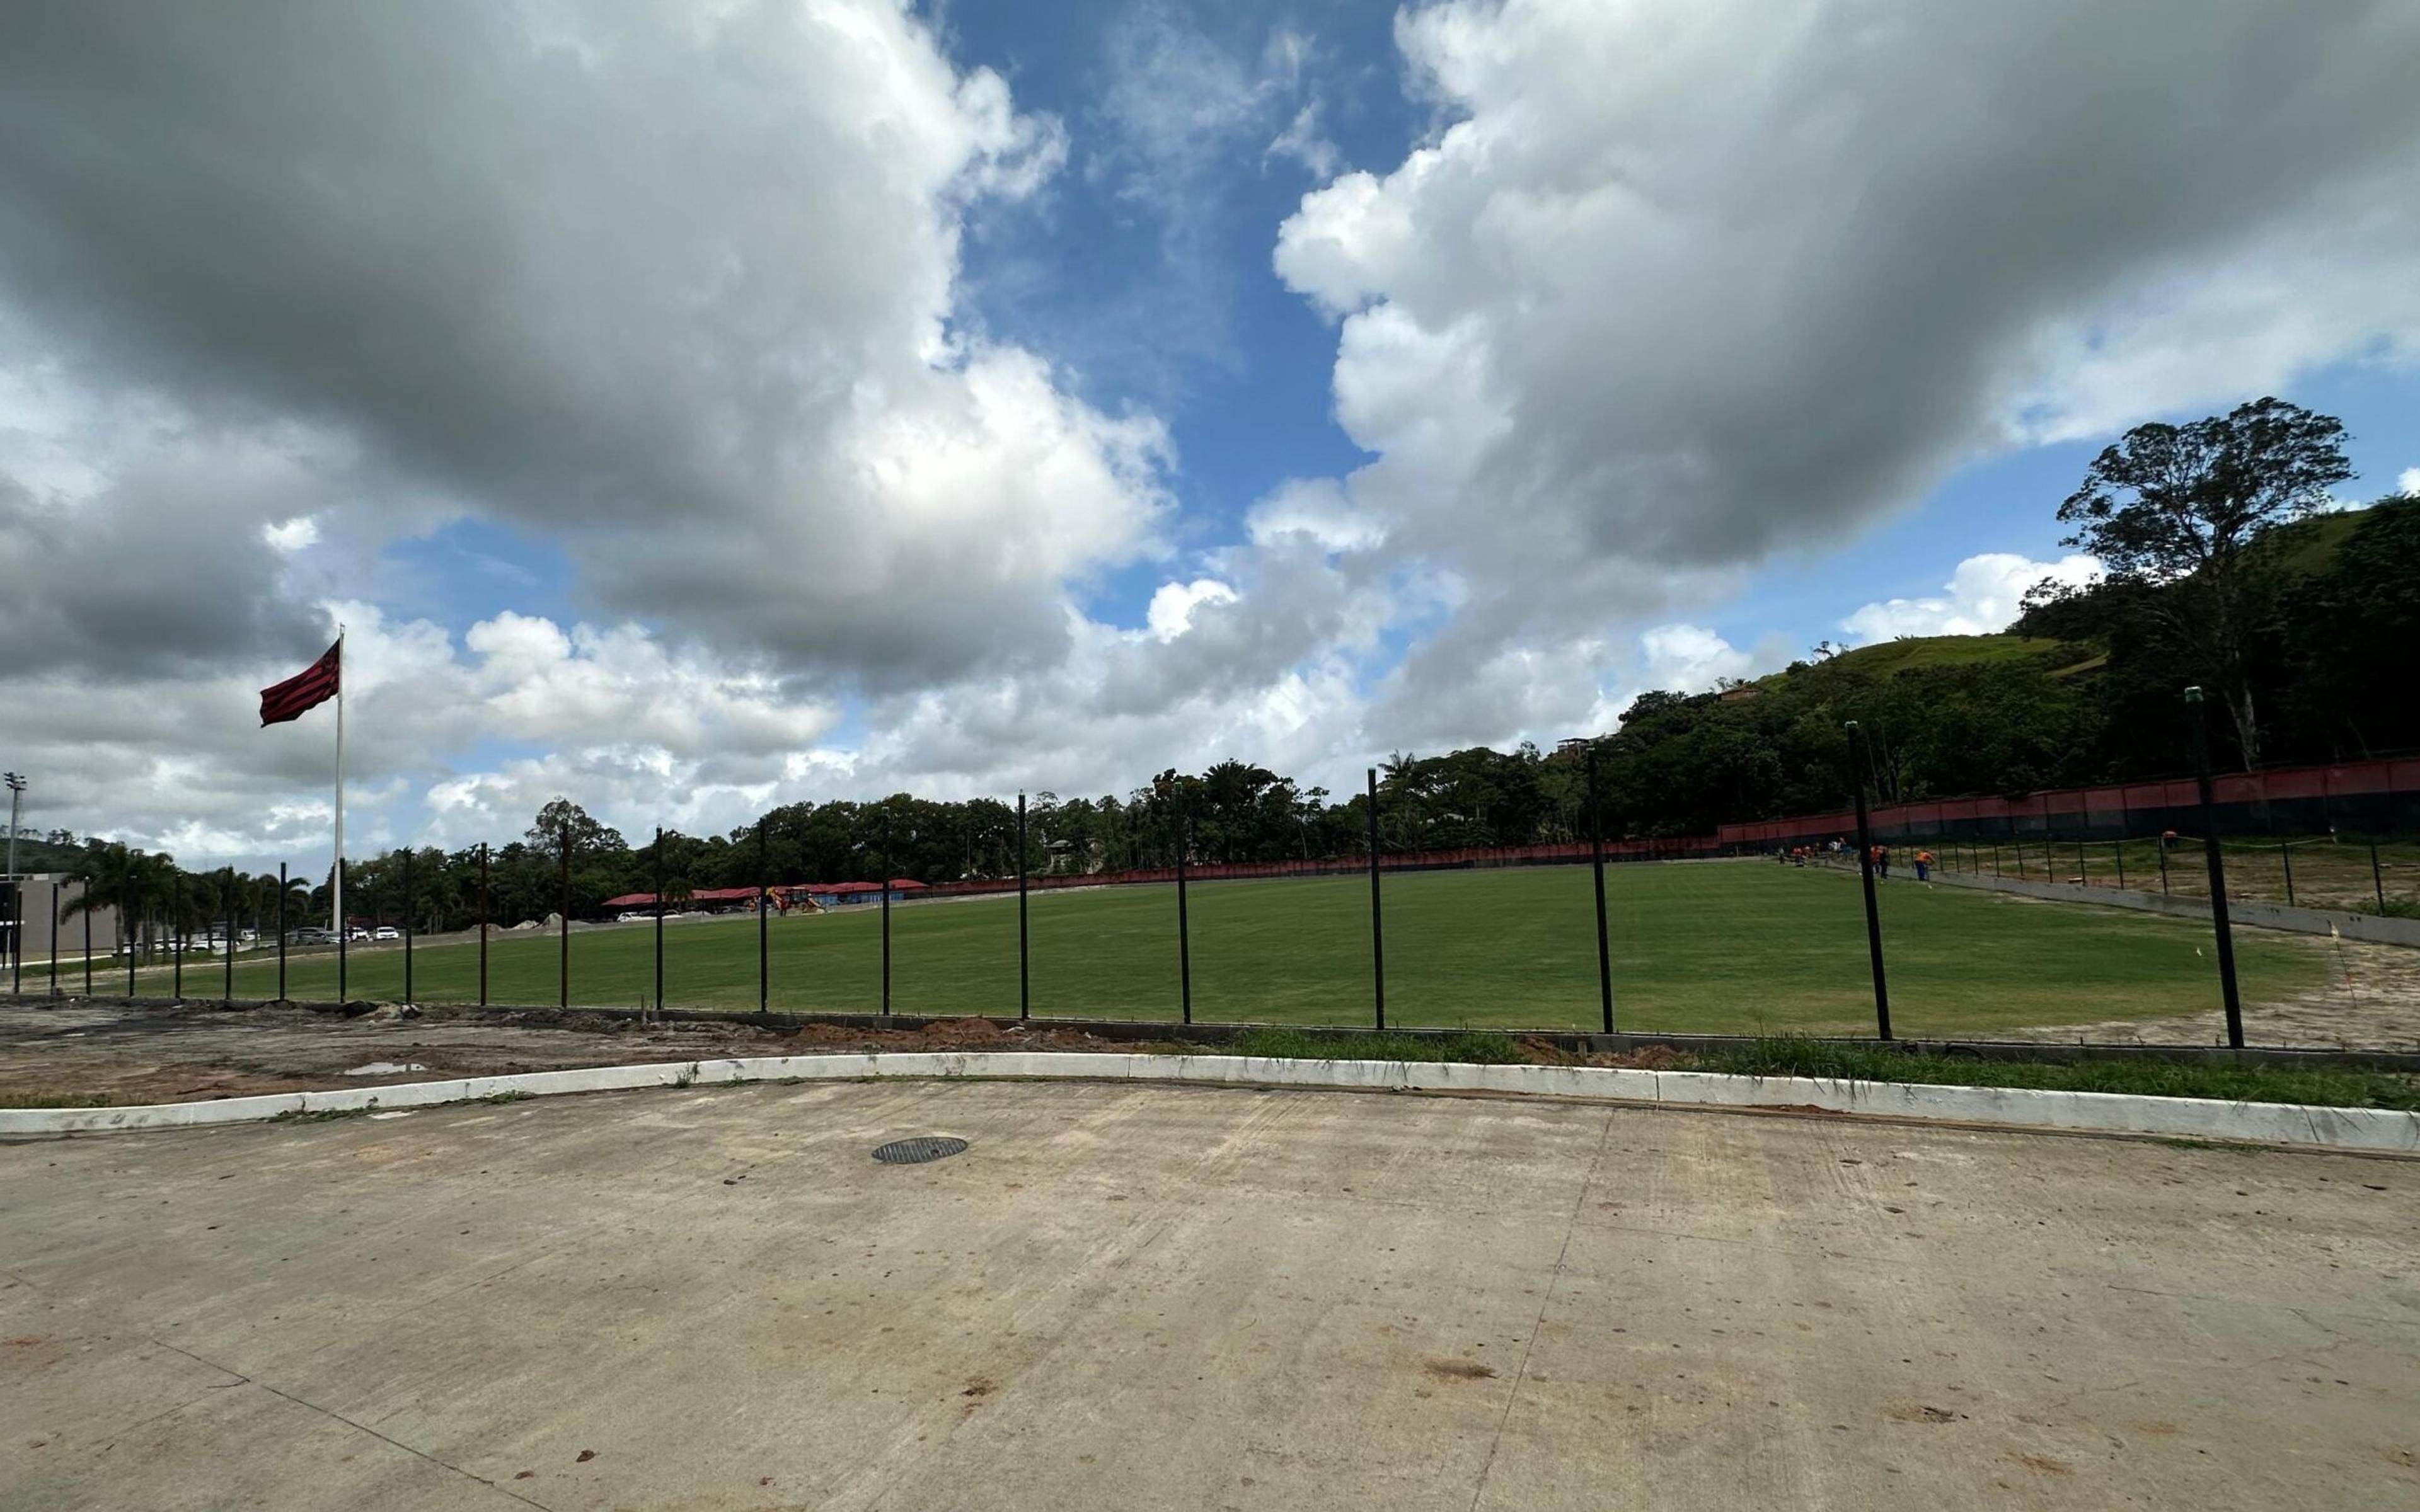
[1923, 865]
[1881, 862]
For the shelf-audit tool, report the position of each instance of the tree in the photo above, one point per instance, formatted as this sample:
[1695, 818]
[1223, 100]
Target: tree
[2181, 506]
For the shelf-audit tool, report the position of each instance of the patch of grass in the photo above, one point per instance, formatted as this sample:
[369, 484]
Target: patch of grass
[1473, 1048]
[493, 1098]
[1732, 948]
[54, 1100]
[323, 1114]
[2391, 908]
[1796, 1056]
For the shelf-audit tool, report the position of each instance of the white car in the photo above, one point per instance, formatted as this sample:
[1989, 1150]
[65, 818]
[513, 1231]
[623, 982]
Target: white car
[388, 932]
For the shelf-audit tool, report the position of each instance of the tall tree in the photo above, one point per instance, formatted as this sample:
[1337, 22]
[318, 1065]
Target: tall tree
[2183, 506]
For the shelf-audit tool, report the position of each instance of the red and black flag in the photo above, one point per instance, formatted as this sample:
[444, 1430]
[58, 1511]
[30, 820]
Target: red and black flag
[306, 689]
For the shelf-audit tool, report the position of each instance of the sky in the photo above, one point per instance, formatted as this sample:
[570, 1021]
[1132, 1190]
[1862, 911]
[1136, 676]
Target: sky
[687, 409]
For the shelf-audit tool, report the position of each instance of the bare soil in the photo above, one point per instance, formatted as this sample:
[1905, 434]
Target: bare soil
[2371, 1001]
[197, 1054]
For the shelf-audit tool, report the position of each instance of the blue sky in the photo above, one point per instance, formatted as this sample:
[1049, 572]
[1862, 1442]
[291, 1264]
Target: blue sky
[825, 399]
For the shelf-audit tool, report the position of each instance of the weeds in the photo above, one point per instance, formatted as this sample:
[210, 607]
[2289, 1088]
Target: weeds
[1474, 1047]
[323, 1115]
[1796, 1056]
[54, 1100]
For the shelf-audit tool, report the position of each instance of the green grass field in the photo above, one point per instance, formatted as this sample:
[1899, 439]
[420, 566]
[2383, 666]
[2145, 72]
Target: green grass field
[1721, 948]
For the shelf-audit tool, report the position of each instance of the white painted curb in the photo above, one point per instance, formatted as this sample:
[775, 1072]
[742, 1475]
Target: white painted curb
[2362, 1129]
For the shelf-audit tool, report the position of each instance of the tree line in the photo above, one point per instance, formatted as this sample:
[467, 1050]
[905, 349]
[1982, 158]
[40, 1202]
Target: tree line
[2227, 566]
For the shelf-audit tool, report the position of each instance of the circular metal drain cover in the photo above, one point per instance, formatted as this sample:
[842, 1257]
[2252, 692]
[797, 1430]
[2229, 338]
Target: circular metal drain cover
[918, 1151]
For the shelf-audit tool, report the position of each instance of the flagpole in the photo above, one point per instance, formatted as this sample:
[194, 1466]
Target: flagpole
[336, 890]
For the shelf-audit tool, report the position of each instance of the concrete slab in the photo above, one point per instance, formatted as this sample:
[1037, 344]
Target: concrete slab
[1151, 1296]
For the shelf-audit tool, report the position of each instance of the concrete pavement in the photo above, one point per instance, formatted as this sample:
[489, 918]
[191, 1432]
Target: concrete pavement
[1177, 1297]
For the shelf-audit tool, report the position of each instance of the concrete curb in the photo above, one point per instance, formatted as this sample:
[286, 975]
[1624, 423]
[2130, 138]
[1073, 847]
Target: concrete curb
[2375, 1130]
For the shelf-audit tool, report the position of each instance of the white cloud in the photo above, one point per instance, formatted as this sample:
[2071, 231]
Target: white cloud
[2407, 483]
[1673, 288]
[1690, 658]
[1172, 604]
[292, 536]
[1315, 509]
[1306, 142]
[1983, 594]
[671, 289]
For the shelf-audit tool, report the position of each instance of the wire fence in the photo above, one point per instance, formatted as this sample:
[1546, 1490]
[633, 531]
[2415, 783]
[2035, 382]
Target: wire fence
[2043, 938]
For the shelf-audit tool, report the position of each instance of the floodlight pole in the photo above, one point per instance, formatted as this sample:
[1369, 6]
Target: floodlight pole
[1865, 872]
[2218, 920]
[660, 920]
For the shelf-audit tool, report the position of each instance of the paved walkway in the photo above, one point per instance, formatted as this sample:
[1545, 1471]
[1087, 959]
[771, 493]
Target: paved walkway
[1155, 1297]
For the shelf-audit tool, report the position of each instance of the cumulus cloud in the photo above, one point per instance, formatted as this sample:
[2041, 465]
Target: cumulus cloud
[1674, 287]
[670, 287]
[677, 291]
[1690, 658]
[2408, 483]
[1981, 597]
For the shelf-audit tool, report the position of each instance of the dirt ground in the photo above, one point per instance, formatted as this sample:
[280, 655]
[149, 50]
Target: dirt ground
[196, 1053]
[161, 1054]
[2371, 1002]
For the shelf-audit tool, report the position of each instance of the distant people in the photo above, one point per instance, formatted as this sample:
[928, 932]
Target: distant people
[1923, 865]
[2167, 840]
[1878, 857]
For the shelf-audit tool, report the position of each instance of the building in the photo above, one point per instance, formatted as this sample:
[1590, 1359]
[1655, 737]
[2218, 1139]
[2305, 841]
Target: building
[41, 897]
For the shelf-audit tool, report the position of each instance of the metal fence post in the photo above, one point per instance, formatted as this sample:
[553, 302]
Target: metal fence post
[1024, 977]
[1596, 860]
[883, 882]
[483, 923]
[87, 898]
[2217, 869]
[2163, 863]
[177, 935]
[407, 926]
[764, 957]
[660, 920]
[2083, 868]
[2118, 849]
[227, 992]
[281, 930]
[1865, 872]
[52, 929]
[1377, 914]
[125, 933]
[2377, 881]
[344, 936]
[563, 931]
[2286, 856]
[1184, 921]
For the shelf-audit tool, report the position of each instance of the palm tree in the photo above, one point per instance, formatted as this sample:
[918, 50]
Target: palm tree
[135, 883]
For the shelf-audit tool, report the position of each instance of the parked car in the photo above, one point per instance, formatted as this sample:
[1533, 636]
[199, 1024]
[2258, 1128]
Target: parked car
[388, 932]
[358, 931]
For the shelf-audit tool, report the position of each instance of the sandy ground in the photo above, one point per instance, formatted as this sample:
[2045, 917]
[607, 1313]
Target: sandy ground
[2370, 1002]
[1184, 1298]
[133, 1056]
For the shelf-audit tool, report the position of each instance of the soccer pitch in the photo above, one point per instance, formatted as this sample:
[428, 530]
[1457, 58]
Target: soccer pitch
[1712, 948]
